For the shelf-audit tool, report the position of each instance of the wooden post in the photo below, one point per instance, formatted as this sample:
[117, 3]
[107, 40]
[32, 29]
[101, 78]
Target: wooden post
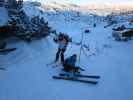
[81, 47]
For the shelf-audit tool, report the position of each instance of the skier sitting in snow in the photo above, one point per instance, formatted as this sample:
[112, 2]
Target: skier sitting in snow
[62, 40]
[70, 64]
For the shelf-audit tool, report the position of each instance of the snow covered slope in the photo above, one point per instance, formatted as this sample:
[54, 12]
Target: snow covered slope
[29, 78]
[3, 16]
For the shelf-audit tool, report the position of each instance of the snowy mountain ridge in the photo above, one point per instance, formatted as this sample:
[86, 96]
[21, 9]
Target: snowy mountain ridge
[99, 9]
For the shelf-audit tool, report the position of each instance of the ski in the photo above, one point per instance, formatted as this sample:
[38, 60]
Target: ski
[2, 68]
[53, 64]
[74, 79]
[49, 64]
[7, 50]
[80, 75]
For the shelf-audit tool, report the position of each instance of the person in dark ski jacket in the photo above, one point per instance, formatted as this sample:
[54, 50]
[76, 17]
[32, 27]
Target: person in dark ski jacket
[63, 42]
[70, 64]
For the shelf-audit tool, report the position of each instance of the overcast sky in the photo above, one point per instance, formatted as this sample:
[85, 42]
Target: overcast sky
[100, 1]
[89, 1]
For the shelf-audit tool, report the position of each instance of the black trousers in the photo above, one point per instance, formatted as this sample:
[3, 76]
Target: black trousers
[69, 68]
[60, 53]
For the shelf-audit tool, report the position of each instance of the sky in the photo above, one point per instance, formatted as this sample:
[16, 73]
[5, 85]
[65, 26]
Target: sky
[100, 1]
[89, 1]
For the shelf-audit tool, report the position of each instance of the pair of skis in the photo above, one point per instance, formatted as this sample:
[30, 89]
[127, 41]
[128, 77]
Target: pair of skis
[91, 79]
[78, 78]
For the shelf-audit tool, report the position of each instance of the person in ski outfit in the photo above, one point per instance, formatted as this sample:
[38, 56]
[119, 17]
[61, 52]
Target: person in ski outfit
[70, 64]
[63, 42]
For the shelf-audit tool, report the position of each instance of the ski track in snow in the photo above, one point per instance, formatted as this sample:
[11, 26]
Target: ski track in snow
[28, 78]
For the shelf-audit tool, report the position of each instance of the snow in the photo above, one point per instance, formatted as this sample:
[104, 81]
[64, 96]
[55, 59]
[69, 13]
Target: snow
[28, 78]
[3, 16]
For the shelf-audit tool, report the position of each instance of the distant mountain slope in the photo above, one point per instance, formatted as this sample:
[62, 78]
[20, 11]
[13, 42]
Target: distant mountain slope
[100, 9]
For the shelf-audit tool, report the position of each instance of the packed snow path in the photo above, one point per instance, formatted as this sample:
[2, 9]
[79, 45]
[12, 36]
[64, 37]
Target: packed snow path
[28, 78]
